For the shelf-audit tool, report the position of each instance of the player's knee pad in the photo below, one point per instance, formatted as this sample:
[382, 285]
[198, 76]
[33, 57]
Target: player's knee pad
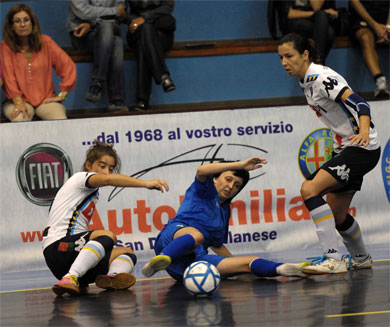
[106, 241]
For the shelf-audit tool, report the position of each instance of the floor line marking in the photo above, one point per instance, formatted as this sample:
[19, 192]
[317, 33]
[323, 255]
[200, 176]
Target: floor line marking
[357, 314]
[140, 280]
[48, 288]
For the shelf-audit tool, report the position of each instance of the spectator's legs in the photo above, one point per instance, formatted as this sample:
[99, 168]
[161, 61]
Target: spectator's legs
[317, 27]
[303, 27]
[103, 47]
[9, 107]
[153, 51]
[366, 39]
[115, 76]
[150, 45]
[144, 75]
[323, 34]
[51, 111]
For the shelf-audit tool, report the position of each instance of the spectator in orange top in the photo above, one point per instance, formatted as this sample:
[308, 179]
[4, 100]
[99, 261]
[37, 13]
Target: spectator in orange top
[27, 62]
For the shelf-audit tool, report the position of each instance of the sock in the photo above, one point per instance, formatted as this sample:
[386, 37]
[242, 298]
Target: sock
[179, 247]
[323, 219]
[377, 76]
[122, 263]
[90, 255]
[264, 268]
[352, 237]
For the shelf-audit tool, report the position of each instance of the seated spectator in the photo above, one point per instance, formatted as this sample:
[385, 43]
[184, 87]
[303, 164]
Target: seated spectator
[28, 58]
[371, 26]
[311, 19]
[93, 25]
[151, 34]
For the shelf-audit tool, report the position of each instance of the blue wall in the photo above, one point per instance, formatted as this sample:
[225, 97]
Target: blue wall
[200, 79]
[196, 19]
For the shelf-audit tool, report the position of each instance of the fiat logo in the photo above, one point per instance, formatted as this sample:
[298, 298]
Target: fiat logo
[41, 171]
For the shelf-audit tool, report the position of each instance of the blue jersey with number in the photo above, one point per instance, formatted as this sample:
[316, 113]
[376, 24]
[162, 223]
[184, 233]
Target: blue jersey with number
[201, 209]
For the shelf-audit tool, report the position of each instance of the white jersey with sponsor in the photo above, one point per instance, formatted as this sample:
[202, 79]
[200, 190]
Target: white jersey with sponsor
[72, 208]
[323, 88]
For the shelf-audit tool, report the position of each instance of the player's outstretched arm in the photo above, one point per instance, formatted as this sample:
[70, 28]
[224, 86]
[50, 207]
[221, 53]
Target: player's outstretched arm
[119, 180]
[251, 163]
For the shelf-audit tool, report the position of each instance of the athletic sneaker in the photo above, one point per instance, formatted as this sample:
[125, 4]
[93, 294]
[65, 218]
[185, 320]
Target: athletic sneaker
[381, 87]
[326, 265]
[119, 281]
[365, 263]
[159, 262]
[292, 269]
[68, 284]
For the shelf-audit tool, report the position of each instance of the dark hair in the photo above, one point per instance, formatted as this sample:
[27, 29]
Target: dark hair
[244, 174]
[95, 152]
[301, 44]
[12, 39]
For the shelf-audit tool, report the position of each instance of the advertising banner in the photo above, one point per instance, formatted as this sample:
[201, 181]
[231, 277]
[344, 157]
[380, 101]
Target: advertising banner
[267, 216]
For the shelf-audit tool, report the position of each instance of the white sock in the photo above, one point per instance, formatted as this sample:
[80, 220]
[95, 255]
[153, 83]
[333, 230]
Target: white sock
[89, 257]
[120, 264]
[353, 240]
[326, 230]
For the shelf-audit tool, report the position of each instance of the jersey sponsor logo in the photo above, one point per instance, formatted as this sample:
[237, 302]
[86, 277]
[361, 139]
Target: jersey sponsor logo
[315, 150]
[330, 84]
[41, 171]
[342, 171]
[386, 169]
[312, 78]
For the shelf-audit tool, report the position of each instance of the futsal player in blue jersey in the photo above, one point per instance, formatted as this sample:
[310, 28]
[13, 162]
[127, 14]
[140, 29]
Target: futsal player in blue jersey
[202, 222]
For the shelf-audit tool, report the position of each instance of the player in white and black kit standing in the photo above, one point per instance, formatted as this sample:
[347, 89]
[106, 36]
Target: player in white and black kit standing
[356, 152]
[75, 255]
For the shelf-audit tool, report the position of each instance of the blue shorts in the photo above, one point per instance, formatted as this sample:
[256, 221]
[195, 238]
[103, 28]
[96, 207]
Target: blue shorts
[178, 266]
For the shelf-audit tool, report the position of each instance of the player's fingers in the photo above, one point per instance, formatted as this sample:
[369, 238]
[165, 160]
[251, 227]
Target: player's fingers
[165, 184]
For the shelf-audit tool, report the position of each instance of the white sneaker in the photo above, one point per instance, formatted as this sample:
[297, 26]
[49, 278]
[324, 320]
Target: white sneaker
[381, 87]
[365, 263]
[159, 262]
[326, 265]
[292, 269]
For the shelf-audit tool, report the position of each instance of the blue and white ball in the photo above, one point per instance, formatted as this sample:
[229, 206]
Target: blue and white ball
[201, 278]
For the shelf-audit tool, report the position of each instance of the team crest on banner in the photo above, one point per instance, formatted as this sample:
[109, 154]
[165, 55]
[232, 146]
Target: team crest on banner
[315, 150]
[386, 169]
[41, 171]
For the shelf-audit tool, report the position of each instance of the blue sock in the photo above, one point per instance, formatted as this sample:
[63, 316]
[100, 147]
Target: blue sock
[179, 247]
[264, 268]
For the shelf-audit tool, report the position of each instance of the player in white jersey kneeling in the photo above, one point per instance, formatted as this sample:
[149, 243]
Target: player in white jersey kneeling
[78, 256]
[356, 152]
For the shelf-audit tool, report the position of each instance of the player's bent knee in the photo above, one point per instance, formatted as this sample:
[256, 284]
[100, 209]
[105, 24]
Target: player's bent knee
[198, 237]
[106, 241]
[307, 190]
[108, 233]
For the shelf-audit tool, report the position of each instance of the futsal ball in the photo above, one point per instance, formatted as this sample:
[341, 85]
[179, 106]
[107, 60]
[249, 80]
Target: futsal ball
[201, 278]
